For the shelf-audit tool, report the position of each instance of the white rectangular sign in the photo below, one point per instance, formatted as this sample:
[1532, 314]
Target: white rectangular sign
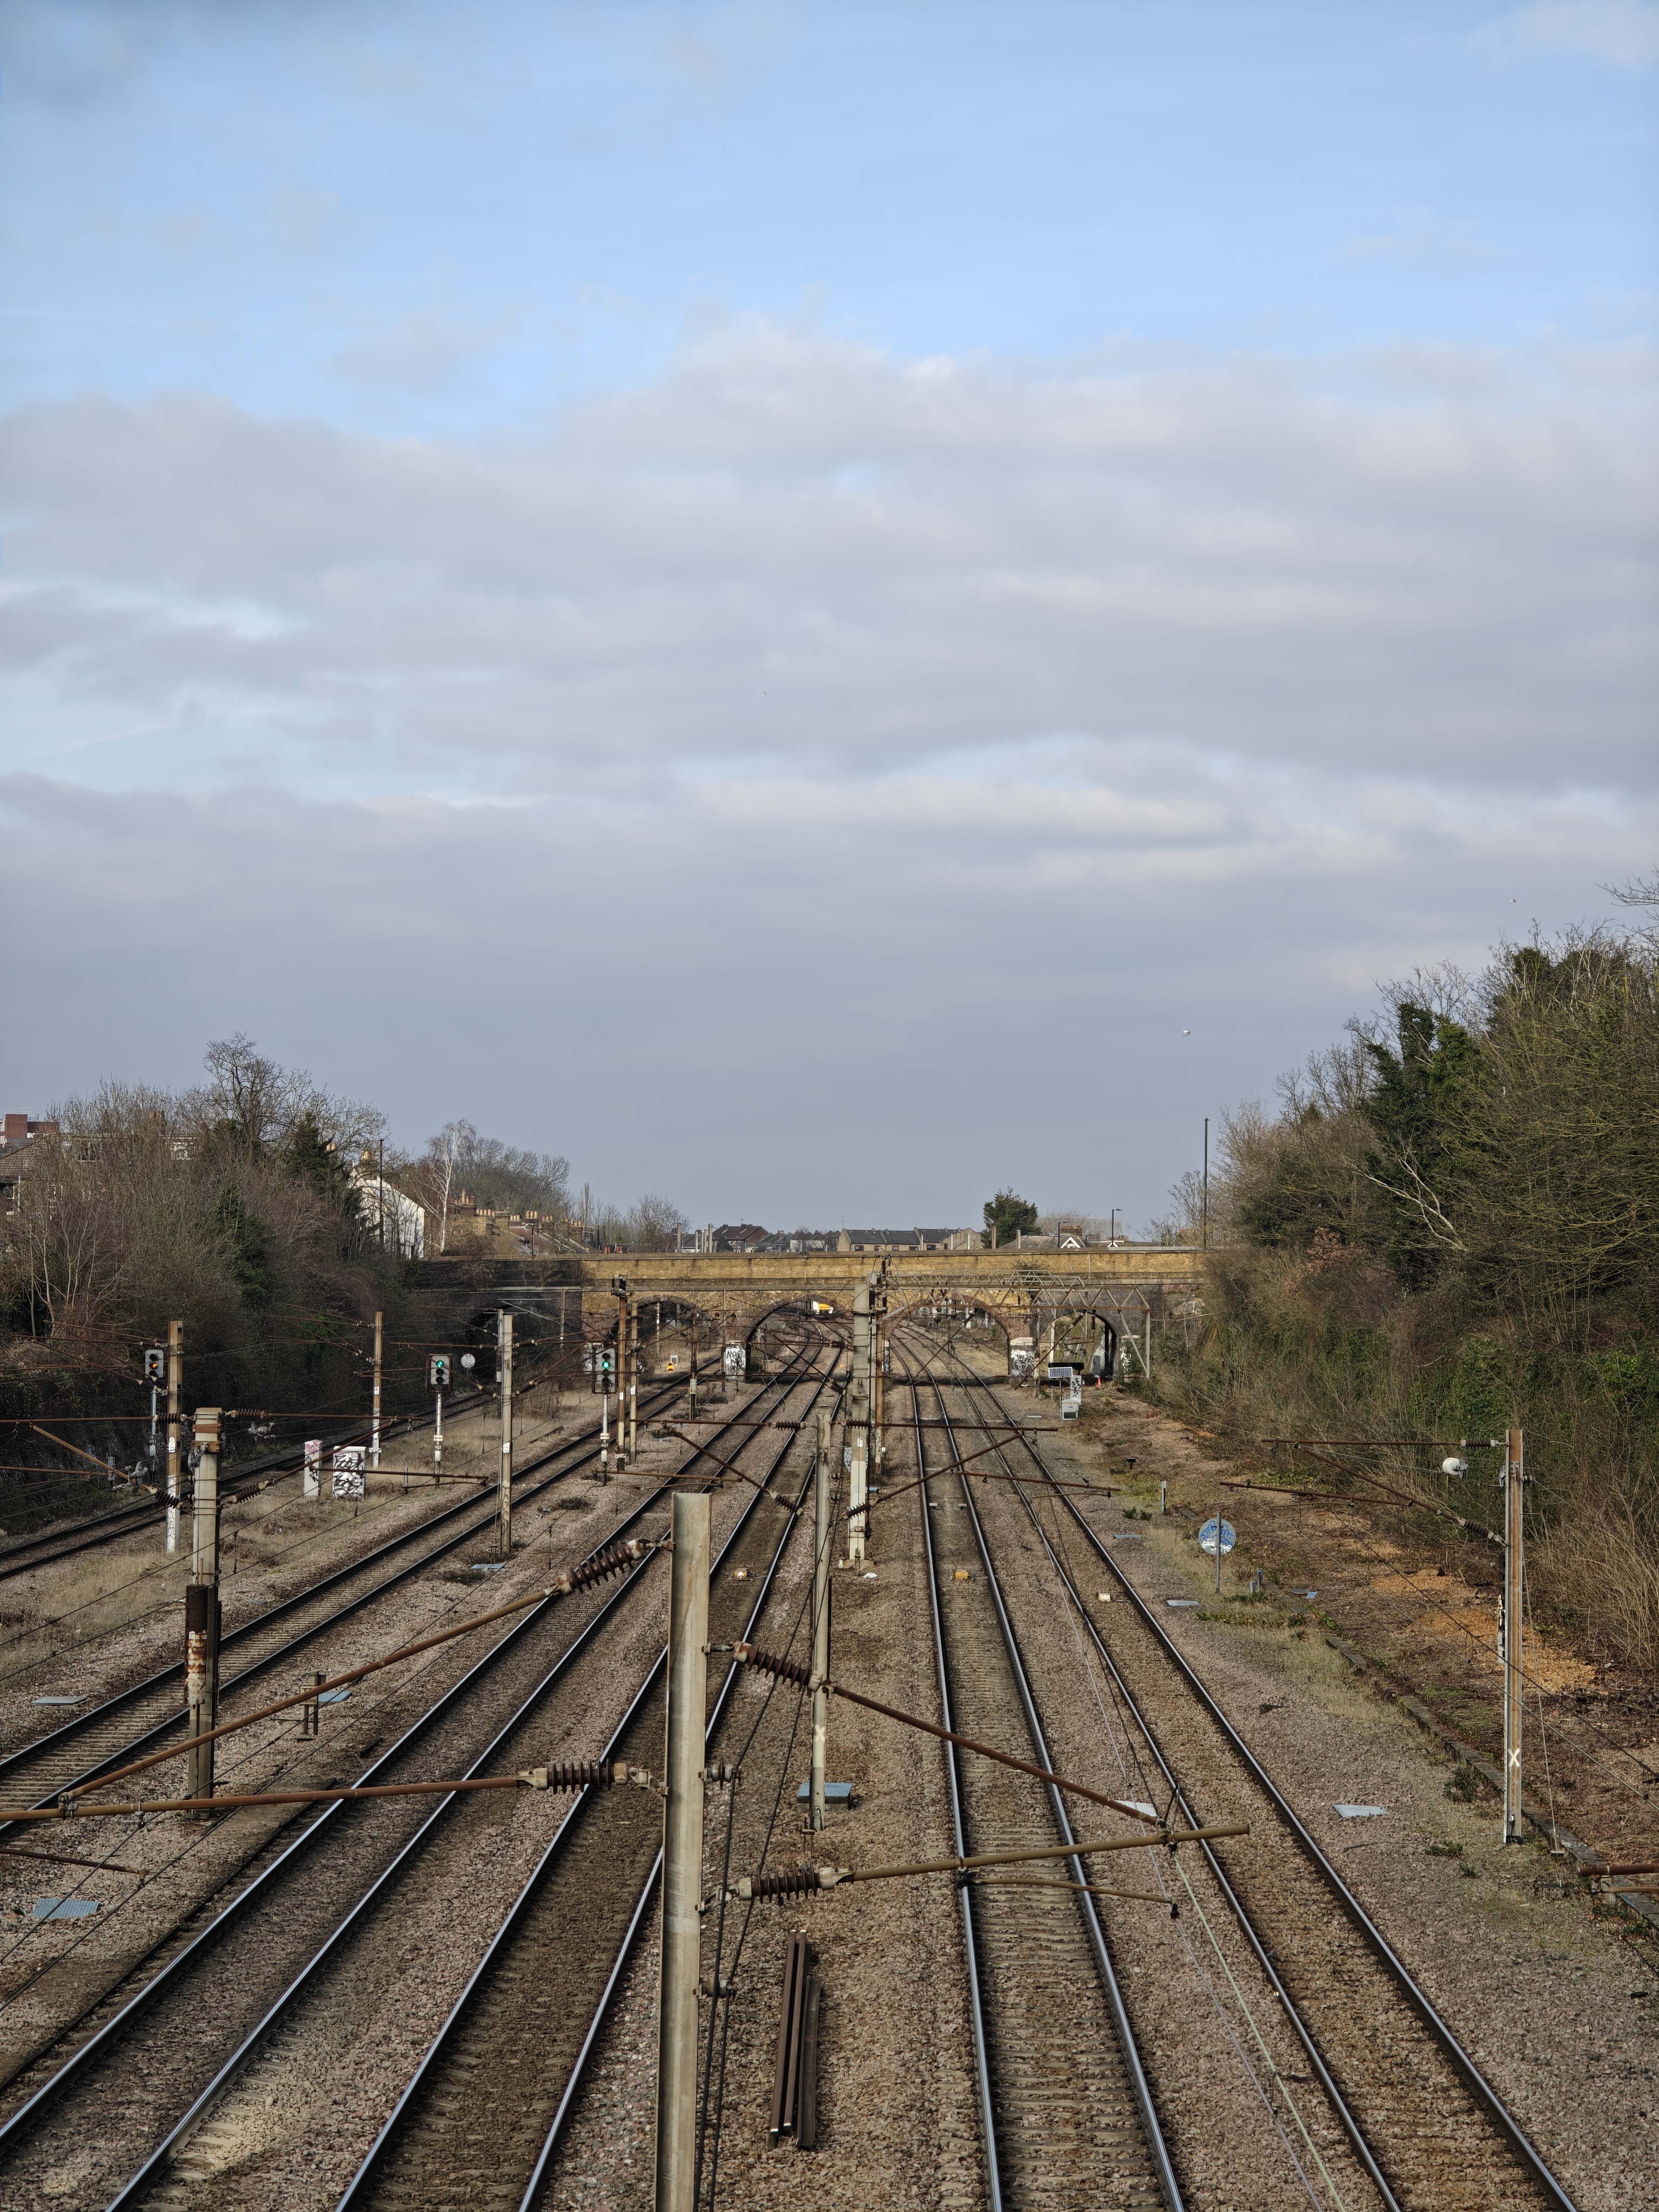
[312, 1480]
[348, 1463]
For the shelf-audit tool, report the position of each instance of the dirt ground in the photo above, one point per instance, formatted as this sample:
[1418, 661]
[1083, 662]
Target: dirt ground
[1555, 1990]
[1422, 1612]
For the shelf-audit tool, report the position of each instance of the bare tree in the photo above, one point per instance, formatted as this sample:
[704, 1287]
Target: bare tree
[250, 1101]
[444, 1154]
[654, 1224]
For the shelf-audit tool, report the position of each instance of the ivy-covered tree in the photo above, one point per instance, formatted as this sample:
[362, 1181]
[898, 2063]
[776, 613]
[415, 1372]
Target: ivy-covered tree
[1422, 1106]
[322, 1167]
[248, 1246]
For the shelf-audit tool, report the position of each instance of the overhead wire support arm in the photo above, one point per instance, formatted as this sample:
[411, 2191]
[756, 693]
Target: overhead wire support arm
[800, 1882]
[557, 1774]
[611, 1561]
[791, 1670]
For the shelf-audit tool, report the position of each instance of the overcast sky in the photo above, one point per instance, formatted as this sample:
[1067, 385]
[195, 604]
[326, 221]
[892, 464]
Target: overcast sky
[820, 608]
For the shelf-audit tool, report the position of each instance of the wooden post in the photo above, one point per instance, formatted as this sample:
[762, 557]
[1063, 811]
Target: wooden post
[682, 1863]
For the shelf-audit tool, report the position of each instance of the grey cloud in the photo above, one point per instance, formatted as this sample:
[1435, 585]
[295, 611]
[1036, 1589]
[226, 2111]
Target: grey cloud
[810, 559]
[427, 349]
[680, 994]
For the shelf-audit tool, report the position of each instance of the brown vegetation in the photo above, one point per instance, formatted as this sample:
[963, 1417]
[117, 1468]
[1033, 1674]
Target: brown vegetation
[1451, 1225]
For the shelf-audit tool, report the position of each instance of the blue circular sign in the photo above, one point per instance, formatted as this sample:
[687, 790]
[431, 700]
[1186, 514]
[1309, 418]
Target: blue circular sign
[1208, 1534]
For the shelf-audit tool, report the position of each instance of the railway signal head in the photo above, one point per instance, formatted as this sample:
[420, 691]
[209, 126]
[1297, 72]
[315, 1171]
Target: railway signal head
[607, 1362]
[155, 1364]
[438, 1370]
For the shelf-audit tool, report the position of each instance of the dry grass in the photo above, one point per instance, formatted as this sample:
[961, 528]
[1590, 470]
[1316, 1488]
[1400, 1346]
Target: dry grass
[1285, 1354]
[87, 1598]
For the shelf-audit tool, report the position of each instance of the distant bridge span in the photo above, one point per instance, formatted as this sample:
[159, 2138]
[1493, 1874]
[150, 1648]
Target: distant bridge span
[1020, 1291]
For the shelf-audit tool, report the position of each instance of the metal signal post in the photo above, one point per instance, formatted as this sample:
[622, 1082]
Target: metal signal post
[437, 1375]
[155, 1368]
[175, 1385]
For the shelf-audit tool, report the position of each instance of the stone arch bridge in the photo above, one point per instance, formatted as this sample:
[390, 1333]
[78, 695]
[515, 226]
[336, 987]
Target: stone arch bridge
[1094, 1298]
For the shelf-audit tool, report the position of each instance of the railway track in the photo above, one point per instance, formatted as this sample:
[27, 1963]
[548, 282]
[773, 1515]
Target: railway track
[1422, 2129]
[86, 1536]
[533, 2010]
[241, 1482]
[138, 2073]
[1067, 2116]
[141, 1718]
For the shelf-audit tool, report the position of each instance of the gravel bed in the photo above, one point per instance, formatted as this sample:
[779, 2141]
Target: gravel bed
[1213, 2087]
[334, 2074]
[293, 2129]
[1551, 1996]
[67, 2163]
[898, 2122]
[48, 1969]
[321, 1537]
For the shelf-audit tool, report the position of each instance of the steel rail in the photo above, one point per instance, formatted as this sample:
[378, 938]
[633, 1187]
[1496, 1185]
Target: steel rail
[1178, 1798]
[13, 2129]
[959, 1837]
[44, 1550]
[566, 2102]
[450, 2033]
[84, 1724]
[66, 1542]
[1486, 2095]
[1139, 2087]
[131, 2194]
[22, 2122]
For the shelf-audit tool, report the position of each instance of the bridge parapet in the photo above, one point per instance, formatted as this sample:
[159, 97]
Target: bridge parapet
[1020, 1291]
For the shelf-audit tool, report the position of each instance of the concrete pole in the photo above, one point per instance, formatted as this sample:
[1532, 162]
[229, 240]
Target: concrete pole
[1514, 1494]
[504, 1505]
[633, 1383]
[374, 1429]
[622, 1381]
[858, 1426]
[175, 1385]
[202, 1609]
[823, 1536]
[438, 1443]
[682, 1856]
[878, 1381]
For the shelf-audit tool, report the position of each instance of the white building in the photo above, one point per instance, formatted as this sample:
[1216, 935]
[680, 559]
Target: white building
[386, 1211]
